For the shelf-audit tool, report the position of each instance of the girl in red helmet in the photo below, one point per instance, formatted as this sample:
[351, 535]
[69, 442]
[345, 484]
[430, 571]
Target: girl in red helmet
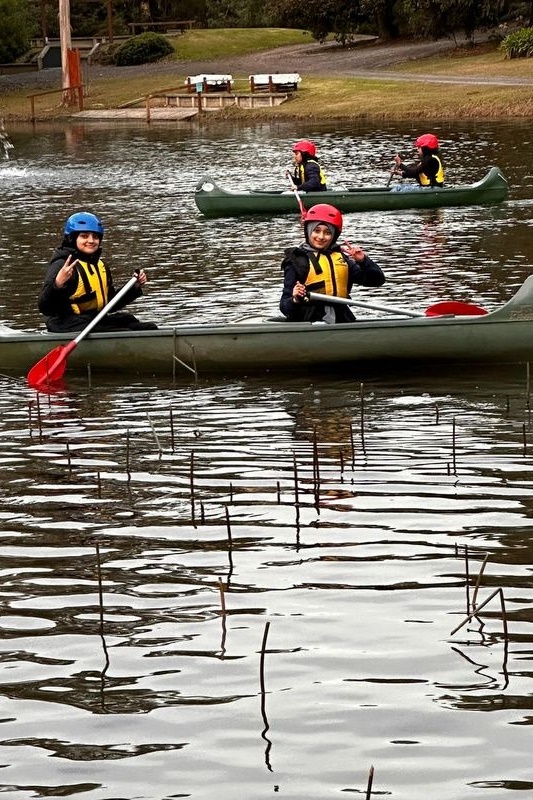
[428, 170]
[308, 175]
[319, 265]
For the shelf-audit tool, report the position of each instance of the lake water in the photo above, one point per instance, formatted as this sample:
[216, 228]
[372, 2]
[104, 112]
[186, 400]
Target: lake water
[249, 586]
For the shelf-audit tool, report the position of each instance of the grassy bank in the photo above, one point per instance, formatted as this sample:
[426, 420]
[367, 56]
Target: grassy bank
[318, 97]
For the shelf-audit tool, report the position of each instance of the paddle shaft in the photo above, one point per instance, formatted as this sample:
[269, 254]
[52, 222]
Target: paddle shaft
[298, 198]
[101, 314]
[391, 174]
[344, 301]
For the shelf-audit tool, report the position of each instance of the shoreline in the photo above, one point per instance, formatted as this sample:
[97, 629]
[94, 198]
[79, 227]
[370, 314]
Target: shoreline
[432, 80]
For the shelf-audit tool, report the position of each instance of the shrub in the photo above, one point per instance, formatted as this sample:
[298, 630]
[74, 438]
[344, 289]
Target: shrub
[142, 49]
[16, 29]
[518, 44]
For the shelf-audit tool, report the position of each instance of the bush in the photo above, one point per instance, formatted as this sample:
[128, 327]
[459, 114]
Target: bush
[16, 29]
[142, 49]
[518, 44]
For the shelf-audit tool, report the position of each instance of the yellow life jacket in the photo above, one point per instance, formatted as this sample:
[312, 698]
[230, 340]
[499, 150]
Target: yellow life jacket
[91, 292]
[439, 177]
[301, 171]
[328, 274]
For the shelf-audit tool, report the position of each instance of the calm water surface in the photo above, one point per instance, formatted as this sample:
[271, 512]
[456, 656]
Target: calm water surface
[250, 586]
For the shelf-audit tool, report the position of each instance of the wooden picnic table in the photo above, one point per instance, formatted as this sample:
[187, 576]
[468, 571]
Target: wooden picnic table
[209, 83]
[275, 82]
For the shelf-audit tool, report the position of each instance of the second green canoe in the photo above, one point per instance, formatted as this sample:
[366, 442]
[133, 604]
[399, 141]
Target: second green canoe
[213, 201]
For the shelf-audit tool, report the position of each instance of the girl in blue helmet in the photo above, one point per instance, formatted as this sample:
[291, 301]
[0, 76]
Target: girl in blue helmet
[319, 265]
[78, 284]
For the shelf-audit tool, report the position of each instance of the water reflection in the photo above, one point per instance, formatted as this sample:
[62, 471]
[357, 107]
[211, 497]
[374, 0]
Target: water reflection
[5, 144]
[151, 533]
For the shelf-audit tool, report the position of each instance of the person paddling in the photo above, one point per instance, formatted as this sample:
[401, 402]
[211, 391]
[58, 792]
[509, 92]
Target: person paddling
[308, 175]
[78, 284]
[429, 169]
[320, 265]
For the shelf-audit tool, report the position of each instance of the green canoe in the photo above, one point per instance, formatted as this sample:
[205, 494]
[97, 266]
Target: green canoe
[503, 336]
[213, 201]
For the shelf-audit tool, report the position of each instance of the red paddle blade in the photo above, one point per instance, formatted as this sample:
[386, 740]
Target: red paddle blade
[455, 308]
[51, 368]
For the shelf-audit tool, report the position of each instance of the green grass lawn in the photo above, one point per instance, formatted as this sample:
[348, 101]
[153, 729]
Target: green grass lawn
[201, 44]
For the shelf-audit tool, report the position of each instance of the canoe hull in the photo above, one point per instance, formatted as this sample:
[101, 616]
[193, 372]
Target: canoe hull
[502, 337]
[213, 201]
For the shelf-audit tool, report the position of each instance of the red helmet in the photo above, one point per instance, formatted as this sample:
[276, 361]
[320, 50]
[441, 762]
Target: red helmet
[325, 213]
[304, 146]
[428, 140]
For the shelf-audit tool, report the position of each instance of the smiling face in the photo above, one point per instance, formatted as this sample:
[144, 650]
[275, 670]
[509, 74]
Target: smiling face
[321, 237]
[87, 242]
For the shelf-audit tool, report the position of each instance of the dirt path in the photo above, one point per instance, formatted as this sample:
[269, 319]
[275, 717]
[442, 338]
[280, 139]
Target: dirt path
[368, 60]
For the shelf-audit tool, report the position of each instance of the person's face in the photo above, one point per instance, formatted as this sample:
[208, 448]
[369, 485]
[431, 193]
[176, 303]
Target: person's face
[297, 157]
[87, 242]
[321, 237]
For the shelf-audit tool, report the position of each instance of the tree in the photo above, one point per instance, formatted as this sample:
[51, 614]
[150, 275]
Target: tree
[382, 13]
[320, 17]
[16, 30]
[436, 18]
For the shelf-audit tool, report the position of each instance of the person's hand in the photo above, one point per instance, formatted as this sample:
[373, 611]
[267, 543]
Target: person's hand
[353, 251]
[398, 159]
[65, 273]
[299, 292]
[141, 278]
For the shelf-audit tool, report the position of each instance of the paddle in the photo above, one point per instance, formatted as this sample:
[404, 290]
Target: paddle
[52, 367]
[392, 173]
[298, 198]
[445, 308]
[455, 307]
[344, 301]
[393, 170]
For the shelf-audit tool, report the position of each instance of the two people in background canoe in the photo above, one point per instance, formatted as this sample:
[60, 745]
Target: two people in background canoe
[429, 169]
[308, 175]
[320, 265]
[78, 284]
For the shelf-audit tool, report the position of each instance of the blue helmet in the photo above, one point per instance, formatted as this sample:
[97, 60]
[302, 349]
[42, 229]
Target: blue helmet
[83, 221]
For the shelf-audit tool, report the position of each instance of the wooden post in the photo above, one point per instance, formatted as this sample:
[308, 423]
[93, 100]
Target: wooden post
[44, 28]
[109, 5]
[65, 40]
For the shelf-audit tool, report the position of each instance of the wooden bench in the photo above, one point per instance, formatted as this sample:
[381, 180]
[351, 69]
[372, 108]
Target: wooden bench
[163, 27]
[209, 83]
[277, 82]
